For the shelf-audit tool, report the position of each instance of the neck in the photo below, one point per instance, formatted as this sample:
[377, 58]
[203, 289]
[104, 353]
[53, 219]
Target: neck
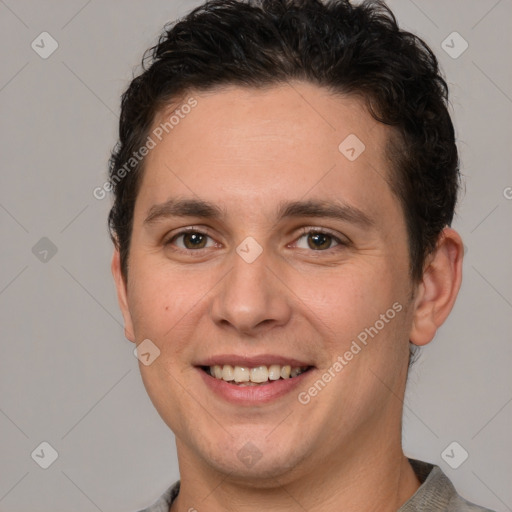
[376, 478]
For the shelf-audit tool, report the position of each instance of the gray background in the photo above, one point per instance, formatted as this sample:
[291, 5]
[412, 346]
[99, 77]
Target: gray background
[68, 376]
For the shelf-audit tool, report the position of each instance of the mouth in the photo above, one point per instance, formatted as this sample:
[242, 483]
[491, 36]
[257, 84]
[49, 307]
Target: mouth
[260, 375]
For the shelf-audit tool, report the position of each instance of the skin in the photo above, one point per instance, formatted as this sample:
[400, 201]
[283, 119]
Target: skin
[246, 150]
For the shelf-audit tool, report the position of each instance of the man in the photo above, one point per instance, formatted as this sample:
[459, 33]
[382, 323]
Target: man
[284, 183]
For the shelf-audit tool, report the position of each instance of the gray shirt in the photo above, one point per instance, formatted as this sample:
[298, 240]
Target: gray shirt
[436, 494]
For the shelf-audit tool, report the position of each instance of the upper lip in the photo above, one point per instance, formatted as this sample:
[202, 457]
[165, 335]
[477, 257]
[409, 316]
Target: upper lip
[251, 362]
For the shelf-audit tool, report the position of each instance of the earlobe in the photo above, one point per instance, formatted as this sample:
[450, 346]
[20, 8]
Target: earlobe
[438, 288]
[122, 295]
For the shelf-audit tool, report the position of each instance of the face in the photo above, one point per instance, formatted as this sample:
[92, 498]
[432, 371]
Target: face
[259, 240]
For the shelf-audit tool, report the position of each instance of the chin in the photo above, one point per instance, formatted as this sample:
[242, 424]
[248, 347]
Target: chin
[245, 462]
[263, 474]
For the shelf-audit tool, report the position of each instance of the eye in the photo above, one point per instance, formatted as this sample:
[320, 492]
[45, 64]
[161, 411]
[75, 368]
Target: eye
[191, 239]
[318, 240]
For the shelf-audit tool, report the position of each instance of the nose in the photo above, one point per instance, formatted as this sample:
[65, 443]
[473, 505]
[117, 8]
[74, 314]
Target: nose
[251, 299]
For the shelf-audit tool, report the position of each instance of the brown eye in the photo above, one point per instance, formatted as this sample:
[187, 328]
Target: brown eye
[318, 241]
[194, 240]
[190, 240]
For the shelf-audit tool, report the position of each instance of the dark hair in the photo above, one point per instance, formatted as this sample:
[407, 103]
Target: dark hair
[355, 50]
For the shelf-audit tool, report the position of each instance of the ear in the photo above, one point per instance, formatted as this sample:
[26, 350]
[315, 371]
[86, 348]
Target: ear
[438, 289]
[122, 295]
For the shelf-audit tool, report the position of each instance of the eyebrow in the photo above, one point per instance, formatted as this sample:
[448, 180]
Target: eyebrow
[286, 209]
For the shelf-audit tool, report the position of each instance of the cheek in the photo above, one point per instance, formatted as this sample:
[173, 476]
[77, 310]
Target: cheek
[361, 302]
[353, 290]
[161, 301]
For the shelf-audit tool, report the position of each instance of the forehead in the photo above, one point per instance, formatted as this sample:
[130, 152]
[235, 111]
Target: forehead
[247, 147]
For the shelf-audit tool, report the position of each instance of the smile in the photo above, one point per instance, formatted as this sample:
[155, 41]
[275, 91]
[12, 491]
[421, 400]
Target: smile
[253, 376]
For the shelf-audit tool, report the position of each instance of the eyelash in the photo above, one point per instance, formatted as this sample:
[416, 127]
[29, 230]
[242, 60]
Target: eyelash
[304, 231]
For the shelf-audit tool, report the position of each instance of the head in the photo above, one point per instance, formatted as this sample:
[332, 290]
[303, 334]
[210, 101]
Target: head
[260, 118]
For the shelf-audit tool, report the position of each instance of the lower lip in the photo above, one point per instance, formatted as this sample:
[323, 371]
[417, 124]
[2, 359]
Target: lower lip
[251, 395]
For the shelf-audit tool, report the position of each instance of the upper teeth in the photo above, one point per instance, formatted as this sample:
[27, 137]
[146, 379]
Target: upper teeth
[257, 374]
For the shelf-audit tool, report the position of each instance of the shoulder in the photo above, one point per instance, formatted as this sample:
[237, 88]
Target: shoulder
[459, 504]
[436, 493]
[164, 502]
